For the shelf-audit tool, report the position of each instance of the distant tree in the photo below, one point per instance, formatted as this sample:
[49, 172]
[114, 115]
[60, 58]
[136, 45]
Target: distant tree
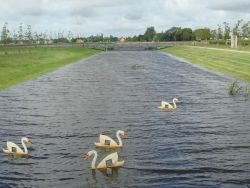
[246, 29]
[226, 30]
[173, 34]
[149, 34]
[61, 40]
[236, 29]
[15, 36]
[70, 35]
[36, 36]
[113, 39]
[5, 34]
[187, 34]
[202, 34]
[28, 34]
[213, 34]
[219, 32]
[140, 38]
[160, 37]
[20, 32]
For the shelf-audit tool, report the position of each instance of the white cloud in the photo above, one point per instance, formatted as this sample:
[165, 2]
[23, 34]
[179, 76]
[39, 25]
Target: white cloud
[120, 17]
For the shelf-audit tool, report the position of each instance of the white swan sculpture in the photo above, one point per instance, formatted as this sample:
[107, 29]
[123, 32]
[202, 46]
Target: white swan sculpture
[111, 161]
[169, 106]
[12, 148]
[107, 142]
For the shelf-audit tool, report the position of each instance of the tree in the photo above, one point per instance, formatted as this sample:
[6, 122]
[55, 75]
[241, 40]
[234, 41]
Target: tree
[149, 34]
[236, 29]
[187, 34]
[202, 34]
[28, 34]
[5, 34]
[246, 30]
[20, 32]
[219, 32]
[173, 34]
[15, 36]
[213, 34]
[70, 35]
[226, 31]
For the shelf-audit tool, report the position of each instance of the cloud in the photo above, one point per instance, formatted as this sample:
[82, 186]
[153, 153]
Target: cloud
[230, 5]
[120, 17]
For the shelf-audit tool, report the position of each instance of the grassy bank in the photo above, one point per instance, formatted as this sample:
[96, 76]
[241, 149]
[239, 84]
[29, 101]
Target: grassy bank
[240, 48]
[18, 65]
[235, 64]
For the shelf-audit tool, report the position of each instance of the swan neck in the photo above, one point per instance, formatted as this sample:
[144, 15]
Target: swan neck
[94, 160]
[119, 138]
[24, 147]
[174, 103]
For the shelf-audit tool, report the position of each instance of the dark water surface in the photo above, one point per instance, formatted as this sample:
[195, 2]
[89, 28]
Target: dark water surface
[204, 143]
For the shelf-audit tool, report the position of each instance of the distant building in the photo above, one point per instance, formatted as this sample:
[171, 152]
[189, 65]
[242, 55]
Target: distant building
[20, 42]
[122, 40]
[79, 40]
[48, 42]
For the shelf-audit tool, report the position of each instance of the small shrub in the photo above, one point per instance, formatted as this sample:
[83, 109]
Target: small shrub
[219, 42]
[244, 42]
[234, 88]
[150, 48]
[247, 92]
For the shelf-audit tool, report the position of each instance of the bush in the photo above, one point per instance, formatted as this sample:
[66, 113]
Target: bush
[244, 42]
[219, 42]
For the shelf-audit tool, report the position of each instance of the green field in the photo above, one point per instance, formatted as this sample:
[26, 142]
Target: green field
[232, 63]
[20, 64]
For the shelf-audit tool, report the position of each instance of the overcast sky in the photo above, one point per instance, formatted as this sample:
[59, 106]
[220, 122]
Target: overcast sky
[120, 17]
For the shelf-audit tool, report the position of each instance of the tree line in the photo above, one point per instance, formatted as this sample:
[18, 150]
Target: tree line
[25, 34]
[223, 32]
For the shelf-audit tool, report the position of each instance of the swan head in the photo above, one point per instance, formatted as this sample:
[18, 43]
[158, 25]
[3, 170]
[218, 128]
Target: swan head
[86, 155]
[176, 100]
[26, 140]
[123, 134]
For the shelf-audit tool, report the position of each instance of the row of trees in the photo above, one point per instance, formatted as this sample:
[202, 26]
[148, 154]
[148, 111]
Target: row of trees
[223, 31]
[241, 29]
[27, 36]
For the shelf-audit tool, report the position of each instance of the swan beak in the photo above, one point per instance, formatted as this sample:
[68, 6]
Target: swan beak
[85, 157]
[125, 135]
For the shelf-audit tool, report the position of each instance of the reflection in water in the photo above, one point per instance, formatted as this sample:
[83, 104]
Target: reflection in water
[203, 143]
[112, 173]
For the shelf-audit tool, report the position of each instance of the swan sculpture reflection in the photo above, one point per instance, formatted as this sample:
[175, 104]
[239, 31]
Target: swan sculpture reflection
[169, 106]
[12, 148]
[107, 142]
[110, 161]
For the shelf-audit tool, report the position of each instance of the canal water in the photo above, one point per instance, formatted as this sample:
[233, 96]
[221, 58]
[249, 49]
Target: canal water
[205, 142]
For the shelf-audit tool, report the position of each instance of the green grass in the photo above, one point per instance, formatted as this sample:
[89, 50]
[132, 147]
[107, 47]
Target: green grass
[234, 64]
[18, 65]
[240, 48]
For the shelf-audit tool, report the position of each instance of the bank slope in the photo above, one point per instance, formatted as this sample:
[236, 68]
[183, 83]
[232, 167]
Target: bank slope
[231, 63]
[20, 64]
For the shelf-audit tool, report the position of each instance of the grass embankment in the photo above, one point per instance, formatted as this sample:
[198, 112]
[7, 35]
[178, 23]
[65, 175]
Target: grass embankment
[232, 63]
[18, 65]
[240, 48]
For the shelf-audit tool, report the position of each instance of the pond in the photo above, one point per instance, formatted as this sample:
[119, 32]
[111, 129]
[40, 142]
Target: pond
[205, 142]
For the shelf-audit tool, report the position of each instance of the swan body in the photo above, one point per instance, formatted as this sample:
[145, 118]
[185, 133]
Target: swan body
[110, 161]
[12, 148]
[169, 106]
[107, 142]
